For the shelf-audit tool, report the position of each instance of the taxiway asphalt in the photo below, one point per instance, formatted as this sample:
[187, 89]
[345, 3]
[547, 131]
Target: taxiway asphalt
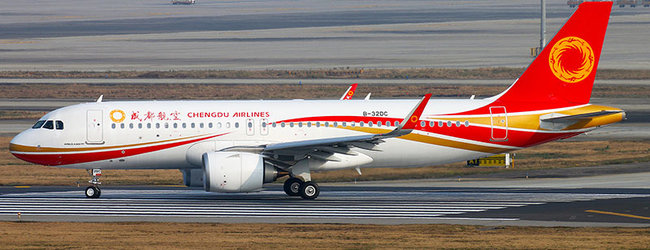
[97, 35]
[587, 202]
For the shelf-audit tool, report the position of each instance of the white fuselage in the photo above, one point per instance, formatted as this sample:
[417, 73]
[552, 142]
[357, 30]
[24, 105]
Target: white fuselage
[109, 126]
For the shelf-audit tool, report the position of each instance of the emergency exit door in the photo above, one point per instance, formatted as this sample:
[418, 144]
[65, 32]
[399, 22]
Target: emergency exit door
[264, 126]
[499, 123]
[94, 127]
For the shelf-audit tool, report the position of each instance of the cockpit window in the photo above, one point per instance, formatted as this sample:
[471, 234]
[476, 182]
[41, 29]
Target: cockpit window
[49, 125]
[38, 124]
[59, 125]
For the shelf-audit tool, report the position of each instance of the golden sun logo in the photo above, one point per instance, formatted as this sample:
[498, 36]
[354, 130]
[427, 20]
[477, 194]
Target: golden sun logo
[571, 59]
[117, 115]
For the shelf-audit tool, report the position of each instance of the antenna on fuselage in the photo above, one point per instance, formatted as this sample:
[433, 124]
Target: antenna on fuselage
[101, 97]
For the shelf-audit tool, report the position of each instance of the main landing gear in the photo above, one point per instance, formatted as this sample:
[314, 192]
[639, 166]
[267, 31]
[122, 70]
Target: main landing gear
[94, 191]
[296, 187]
[300, 182]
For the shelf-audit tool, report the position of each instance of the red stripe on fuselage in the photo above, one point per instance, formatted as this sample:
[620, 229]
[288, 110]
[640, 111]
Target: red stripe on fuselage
[57, 159]
[516, 138]
[365, 119]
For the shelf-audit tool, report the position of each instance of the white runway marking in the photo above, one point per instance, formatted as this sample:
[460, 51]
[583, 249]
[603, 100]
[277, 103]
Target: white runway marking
[158, 207]
[162, 204]
[193, 203]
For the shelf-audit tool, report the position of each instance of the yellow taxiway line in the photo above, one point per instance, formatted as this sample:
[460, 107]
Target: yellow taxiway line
[618, 214]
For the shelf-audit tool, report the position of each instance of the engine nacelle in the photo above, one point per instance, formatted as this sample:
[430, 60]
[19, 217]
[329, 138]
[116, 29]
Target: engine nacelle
[233, 172]
[192, 177]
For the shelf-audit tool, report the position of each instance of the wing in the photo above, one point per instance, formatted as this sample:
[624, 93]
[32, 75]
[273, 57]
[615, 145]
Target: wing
[335, 148]
[405, 127]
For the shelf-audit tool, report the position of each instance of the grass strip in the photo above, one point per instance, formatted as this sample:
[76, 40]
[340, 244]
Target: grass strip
[271, 91]
[30, 235]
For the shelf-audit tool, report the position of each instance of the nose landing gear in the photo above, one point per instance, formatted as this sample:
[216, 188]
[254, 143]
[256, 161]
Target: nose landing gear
[94, 191]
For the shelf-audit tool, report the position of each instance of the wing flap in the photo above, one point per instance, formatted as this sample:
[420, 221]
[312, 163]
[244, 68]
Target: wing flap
[317, 142]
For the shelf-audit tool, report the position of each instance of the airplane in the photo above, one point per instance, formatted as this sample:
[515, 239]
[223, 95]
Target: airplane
[350, 92]
[238, 146]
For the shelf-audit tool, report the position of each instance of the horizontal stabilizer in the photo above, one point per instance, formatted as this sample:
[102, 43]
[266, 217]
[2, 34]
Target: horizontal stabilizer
[555, 117]
[557, 121]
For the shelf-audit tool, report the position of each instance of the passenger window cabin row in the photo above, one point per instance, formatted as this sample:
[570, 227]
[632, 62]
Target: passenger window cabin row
[174, 125]
[281, 124]
[58, 125]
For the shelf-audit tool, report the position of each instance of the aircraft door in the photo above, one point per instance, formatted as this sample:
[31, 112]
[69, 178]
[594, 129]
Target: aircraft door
[94, 127]
[250, 126]
[264, 126]
[499, 123]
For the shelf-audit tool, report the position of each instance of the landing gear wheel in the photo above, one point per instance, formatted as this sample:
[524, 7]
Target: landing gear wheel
[93, 192]
[292, 186]
[309, 190]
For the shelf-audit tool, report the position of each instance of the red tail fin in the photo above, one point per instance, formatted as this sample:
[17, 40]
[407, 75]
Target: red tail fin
[563, 73]
[350, 92]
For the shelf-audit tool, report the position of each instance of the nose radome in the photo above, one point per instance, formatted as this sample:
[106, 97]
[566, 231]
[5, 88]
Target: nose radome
[20, 146]
[16, 142]
[23, 141]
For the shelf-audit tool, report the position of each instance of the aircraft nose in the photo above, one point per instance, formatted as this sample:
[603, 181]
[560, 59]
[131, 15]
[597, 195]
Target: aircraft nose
[16, 142]
[18, 146]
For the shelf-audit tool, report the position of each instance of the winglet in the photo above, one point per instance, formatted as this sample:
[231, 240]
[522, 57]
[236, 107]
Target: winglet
[101, 97]
[412, 119]
[350, 92]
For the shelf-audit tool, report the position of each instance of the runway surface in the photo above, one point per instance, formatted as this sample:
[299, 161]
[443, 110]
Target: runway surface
[298, 19]
[372, 203]
[504, 82]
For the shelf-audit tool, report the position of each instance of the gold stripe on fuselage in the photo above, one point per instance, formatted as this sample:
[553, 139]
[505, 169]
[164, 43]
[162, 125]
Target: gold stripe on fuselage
[531, 121]
[434, 140]
[23, 148]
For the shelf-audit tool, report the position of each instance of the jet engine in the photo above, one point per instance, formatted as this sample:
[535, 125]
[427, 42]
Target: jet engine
[233, 172]
[192, 177]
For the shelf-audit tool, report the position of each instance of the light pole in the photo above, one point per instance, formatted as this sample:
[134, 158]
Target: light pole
[542, 26]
